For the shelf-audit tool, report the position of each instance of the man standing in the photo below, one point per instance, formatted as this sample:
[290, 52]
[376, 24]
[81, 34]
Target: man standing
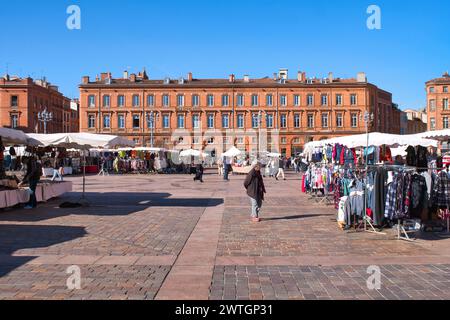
[226, 168]
[32, 177]
[255, 190]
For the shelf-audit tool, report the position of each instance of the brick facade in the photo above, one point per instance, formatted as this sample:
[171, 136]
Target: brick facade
[22, 99]
[301, 109]
[438, 98]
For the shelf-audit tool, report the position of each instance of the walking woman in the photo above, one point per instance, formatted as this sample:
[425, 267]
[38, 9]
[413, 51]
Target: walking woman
[255, 190]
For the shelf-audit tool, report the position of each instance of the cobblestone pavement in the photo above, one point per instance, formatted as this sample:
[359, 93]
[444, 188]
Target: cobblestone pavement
[166, 237]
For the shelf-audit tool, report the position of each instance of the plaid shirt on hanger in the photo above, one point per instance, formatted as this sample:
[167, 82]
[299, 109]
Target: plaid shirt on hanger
[442, 190]
[391, 199]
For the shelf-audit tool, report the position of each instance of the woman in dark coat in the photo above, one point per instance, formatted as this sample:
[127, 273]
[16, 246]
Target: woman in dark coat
[199, 172]
[254, 185]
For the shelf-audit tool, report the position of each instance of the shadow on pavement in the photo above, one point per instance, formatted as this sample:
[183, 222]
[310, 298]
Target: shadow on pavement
[17, 237]
[304, 216]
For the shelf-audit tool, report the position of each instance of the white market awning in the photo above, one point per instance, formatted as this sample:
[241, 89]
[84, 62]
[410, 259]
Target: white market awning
[82, 140]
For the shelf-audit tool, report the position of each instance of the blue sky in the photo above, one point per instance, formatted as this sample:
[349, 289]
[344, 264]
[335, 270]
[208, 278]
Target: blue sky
[216, 38]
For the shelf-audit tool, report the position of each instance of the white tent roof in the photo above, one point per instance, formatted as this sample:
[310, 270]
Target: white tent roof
[440, 135]
[233, 152]
[142, 149]
[192, 153]
[375, 139]
[81, 140]
[11, 136]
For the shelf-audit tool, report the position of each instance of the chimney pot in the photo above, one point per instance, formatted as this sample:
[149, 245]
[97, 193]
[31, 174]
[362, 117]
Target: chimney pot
[300, 76]
[85, 80]
[246, 78]
[133, 77]
[125, 74]
[189, 78]
[330, 77]
[275, 76]
[103, 76]
[231, 78]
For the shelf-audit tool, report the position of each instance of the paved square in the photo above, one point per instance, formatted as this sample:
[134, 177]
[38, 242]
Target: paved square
[166, 237]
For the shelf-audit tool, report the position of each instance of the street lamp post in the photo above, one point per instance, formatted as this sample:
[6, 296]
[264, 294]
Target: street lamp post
[151, 118]
[260, 113]
[45, 117]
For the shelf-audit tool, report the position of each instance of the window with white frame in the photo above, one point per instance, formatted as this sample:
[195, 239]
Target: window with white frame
[269, 100]
[196, 121]
[210, 100]
[324, 120]
[106, 101]
[324, 99]
[210, 121]
[91, 121]
[283, 100]
[297, 123]
[269, 120]
[297, 100]
[433, 123]
[431, 89]
[255, 120]
[180, 121]
[353, 99]
[121, 121]
[136, 100]
[166, 121]
[225, 121]
[339, 120]
[283, 121]
[310, 121]
[180, 100]
[240, 100]
[240, 121]
[445, 122]
[195, 100]
[354, 121]
[310, 100]
[432, 105]
[14, 121]
[136, 121]
[121, 100]
[150, 100]
[254, 100]
[107, 121]
[225, 100]
[91, 101]
[445, 104]
[165, 100]
[339, 99]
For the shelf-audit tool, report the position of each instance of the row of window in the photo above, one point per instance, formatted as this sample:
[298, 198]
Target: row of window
[256, 121]
[444, 104]
[225, 100]
[445, 123]
[433, 89]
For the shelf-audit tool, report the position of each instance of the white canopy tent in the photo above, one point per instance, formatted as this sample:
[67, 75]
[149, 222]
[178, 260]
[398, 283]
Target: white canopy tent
[375, 139]
[82, 141]
[440, 135]
[232, 152]
[192, 153]
[12, 136]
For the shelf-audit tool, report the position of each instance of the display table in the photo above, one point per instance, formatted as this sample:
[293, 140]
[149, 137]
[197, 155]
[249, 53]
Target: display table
[44, 192]
[90, 169]
[48, 172]
[242, 170]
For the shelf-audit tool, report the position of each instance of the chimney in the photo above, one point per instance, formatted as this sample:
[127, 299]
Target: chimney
[246, 78]
[125, 74]
[103, 76]
[283, 74]
[85, 80]
[275, 76]
[300, 76]
[133, 77]
[97, 79]
[189, 77]
[109, 75]
[330, 77]
[231, 78]
[361, 77]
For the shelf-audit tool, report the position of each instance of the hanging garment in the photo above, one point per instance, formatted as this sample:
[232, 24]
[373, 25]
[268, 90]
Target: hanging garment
[422, 158]
[442, 191]
[411, 159]
[419, 196]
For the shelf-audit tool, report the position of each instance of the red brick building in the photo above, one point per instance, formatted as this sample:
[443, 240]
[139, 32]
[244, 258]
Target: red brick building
[21, 99]
[438, 97]
[294, 111]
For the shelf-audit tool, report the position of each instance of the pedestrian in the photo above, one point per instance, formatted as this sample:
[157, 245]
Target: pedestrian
[199, 172]
[32, 177]
[226, 168]
[254, 184]
[281, 165]
[58, 170]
